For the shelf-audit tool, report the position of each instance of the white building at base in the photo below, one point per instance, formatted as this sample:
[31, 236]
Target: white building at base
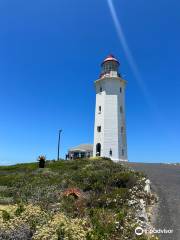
[110, 124]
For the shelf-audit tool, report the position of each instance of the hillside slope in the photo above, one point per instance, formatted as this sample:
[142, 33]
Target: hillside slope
[93, 199]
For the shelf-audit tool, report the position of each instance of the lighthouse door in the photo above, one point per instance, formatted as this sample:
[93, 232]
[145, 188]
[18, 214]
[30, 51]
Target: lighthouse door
[98, 149]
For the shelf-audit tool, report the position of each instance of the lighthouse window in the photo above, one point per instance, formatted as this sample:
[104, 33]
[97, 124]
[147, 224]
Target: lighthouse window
[100, 89]
[122, 129]
[121, 109]
[110, 152]
[122, 152]
[99, 128]
[99, 109]
[120, 89]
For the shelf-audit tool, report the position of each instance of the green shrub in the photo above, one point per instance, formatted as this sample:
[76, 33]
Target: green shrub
[68, 206]
[5, 215]
[103, 223]
[42, 160]
[19, 210]
[123, 180]
[121, 215]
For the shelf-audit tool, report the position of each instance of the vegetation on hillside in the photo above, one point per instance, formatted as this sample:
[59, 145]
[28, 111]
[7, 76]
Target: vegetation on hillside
[75, 199]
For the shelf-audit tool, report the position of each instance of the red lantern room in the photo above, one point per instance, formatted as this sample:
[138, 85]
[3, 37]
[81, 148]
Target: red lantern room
[110, 64]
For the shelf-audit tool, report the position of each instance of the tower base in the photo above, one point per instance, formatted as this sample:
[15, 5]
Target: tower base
[119, 160]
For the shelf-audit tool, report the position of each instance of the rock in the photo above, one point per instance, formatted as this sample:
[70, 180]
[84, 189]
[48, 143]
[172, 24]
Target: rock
[147, 187]
[142, 215]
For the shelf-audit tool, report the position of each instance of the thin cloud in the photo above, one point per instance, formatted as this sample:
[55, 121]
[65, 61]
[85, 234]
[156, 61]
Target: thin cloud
[126, 49]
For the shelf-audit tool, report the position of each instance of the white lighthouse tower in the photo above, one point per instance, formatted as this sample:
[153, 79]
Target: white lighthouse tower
[110, 124]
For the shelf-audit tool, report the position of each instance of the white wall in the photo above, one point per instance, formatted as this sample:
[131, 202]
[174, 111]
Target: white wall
[111, 119]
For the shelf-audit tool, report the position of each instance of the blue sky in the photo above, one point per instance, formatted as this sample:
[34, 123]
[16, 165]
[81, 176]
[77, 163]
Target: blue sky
[50, 55]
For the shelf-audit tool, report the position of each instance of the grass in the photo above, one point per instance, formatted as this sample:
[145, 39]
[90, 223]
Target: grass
[104, 186]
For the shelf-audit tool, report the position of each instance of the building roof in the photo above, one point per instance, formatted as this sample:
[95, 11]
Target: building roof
[110, 58]
[83, 148]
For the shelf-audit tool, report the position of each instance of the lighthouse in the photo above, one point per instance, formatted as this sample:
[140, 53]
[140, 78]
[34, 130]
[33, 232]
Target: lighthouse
[110, 123]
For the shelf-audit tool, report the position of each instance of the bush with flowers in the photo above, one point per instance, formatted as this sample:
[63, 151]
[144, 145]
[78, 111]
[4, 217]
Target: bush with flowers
[106, 206]
[62, 227]
[34, 223]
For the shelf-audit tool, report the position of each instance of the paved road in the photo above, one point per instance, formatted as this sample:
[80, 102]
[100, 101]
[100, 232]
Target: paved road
[165, 180]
